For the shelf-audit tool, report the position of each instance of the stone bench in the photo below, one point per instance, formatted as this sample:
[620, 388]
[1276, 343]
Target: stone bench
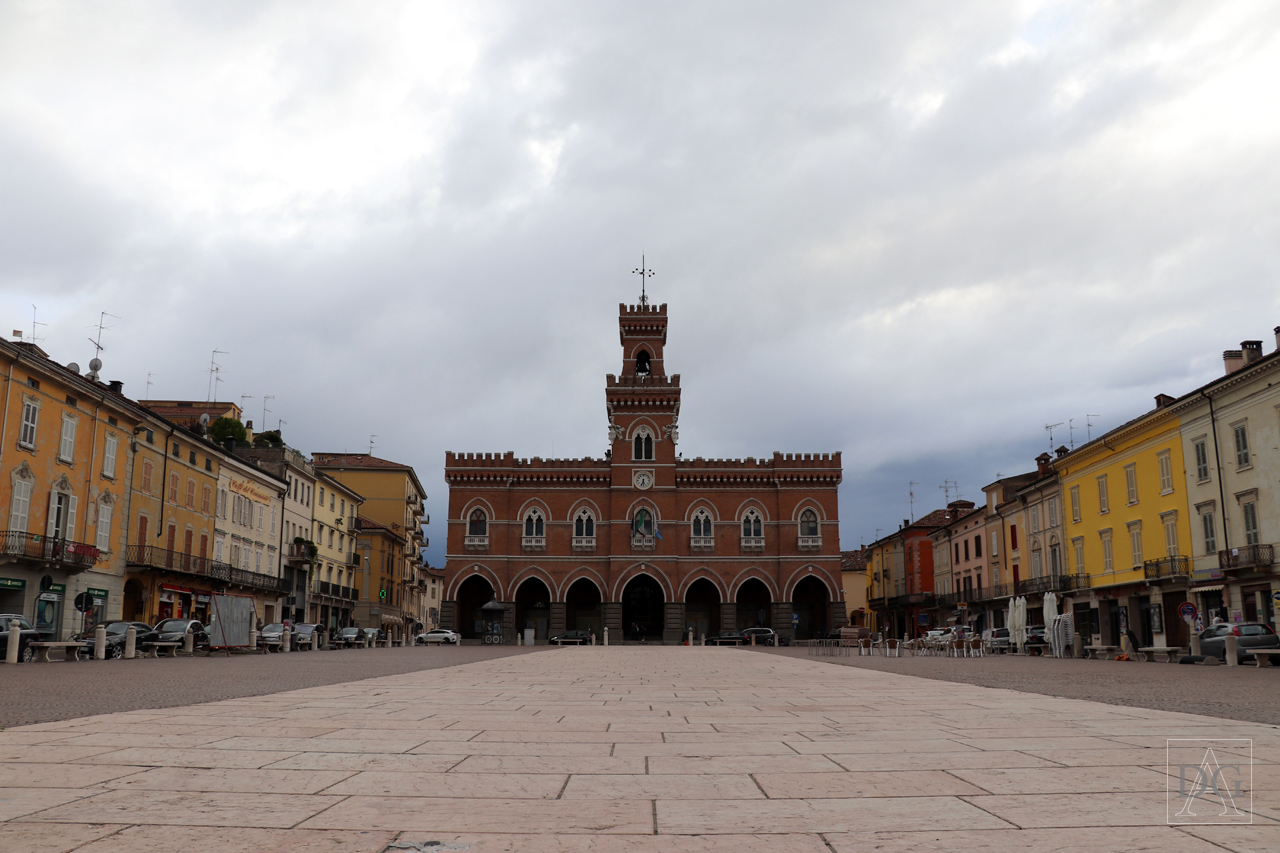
[153, 649]
[1261, 657]
[69, 649]
[1171, 653]
[1101, 652]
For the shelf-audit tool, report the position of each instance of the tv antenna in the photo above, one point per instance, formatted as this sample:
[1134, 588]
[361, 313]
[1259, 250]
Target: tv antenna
[1071, 432]
[102, 320]
[280, 426]
[371, 438]
[644, 273]
[265, 398]
[149, 384]
[947, 487]
[1089, 425]
[1049, 429]
[214, 369]
[911, 497]
[34, 339]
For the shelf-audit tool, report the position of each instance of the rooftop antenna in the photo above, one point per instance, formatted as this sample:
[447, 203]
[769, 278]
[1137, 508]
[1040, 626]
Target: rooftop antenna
[1071, 432]
[265, 398]
[947, 486]
[280, 426]
[644, 273]
[911, 496]
[34, 339]
[102, 319]
[371, 438]
[1089, 424]
[244, 397]
[214, 367]
[1049, 429]
[149, 384]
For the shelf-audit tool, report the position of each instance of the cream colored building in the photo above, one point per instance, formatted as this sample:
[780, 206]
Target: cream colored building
[334, 589]
[247, 533]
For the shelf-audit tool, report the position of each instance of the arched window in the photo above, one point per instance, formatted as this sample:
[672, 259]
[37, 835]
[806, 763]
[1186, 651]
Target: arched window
[479, 523]
[702, 524]
[643, 444]
[642, 523]
[533, 525]
[752, 526]
[584, 524]
[808, 523]
[642, 363]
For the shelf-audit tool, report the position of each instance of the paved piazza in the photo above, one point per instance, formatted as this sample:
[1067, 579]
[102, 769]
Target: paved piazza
[600, 749]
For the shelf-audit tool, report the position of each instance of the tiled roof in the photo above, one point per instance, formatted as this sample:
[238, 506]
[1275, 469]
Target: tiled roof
[354, 460]
[853, 561]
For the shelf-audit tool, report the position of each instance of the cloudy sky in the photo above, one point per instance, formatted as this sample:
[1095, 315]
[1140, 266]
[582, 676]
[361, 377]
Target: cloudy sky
[914, 232]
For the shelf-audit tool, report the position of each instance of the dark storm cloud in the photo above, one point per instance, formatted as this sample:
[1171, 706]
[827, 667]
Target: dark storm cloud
[913, 232]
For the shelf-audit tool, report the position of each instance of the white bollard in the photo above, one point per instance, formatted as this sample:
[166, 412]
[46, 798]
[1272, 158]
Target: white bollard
[15, 634]
[702, 639]
[593, 638]
[100, 642]
[189, 642]
[753, 639]
[606, 635]
[286, 640]
[690, 638]
[1232, 645]
[130, 642]
[1195, 643]
[253, 639]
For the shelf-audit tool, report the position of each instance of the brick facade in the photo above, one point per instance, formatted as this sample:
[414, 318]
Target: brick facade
[642, 541]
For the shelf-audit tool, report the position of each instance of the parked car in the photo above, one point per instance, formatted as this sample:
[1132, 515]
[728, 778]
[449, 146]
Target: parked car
[437, 635]
[571, 636]
[374, 635]
[347, 638]
[1035, 635]
[175, 631]
[1249, 635]
[273, 635]
[724, 637]
[117, 634]
[303, 634]
[998, 637]
[764, 636]
[26, 635]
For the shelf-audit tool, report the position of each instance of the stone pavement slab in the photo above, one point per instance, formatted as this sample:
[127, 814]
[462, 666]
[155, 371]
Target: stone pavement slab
[593, 750]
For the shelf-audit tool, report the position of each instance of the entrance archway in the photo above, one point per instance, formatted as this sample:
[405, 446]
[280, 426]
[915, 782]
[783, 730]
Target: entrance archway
[642, 602]
[702, 609]
[810, 601]
[754, 605]
[582, 607]
[474, 593]
[533, 607]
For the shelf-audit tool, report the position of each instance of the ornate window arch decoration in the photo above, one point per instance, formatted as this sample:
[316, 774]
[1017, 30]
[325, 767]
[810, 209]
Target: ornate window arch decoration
[642, 443]
[23, 483]
[584, 523]
[478, 522]
[643, 359]
[534, 522]
[809, 523]
[581, 504]
[703, 525]
[752, 524]
[643, 521]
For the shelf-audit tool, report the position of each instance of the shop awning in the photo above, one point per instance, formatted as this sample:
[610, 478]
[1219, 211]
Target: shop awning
[1214, 588]
[388, 619]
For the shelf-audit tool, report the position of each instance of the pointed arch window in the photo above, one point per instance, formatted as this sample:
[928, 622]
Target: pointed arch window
[752, 531]
[810, 537]
[477, 530]
[702, 537]
[643, 445]
[642, 529]
[584, 531]
[535, 533]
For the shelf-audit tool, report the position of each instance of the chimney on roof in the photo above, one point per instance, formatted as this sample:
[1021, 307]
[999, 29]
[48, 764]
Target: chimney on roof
[1163, 400]
[906, 522]
[1232, 360]
[1062, 451]
[1252, 351]
[1276, 330]
[116, 386]
[1042, 465]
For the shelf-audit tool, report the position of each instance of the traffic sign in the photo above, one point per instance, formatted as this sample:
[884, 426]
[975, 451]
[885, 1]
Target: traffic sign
[1187, 611]
[83, 602]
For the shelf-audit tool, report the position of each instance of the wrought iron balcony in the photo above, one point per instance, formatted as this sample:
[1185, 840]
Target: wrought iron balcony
[1167, 567]
[35, 547]
[1050, 583]
[192, 564]
[1248, 557]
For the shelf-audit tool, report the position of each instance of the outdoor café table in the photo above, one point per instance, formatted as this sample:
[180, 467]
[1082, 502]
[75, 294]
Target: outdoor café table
[1170, 652]
[69, 649]
[1100, 652]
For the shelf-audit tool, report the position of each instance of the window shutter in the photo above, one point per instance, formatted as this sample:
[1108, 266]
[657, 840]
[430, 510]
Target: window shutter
[104, 527]
[20, 512]
[71, 517]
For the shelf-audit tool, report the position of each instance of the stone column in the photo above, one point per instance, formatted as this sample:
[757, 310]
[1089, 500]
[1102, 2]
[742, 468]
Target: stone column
[557, 618]
[837, 616]
[613, 620]
[782, 620]
[672, 624]
[728, 617]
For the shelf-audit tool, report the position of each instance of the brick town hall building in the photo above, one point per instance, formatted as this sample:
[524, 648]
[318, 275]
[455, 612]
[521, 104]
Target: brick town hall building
[642, 541]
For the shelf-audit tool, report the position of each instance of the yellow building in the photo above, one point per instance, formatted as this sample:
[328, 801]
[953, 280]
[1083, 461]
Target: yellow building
[335, 587]
[66, 460]
[1127, 528]
[853, 575]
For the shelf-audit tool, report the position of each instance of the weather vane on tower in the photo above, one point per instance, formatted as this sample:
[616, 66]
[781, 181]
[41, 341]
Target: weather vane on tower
[644, 273]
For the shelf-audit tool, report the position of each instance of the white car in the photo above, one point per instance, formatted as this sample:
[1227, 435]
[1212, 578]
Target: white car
[437, 635]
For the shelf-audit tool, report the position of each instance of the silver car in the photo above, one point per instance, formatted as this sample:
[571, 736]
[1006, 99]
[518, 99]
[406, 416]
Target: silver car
[437, 635]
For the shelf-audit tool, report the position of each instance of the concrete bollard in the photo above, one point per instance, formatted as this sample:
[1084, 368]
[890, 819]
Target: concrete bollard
[753, 639]
[1195, 643]
[1231, 645]
[606, 635]
[253, 639]
[593, 638]
[130, 642]
[189, 642]
[286, 640]
[100, 642]
[691, 638]
[15, 634]
[1077, 646]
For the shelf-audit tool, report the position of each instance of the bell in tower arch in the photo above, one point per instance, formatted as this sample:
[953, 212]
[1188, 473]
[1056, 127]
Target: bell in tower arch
[642, 363]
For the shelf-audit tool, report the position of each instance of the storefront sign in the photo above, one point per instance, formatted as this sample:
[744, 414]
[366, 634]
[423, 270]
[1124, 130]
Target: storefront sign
[12, 583]
[99, 596]
[249, 490]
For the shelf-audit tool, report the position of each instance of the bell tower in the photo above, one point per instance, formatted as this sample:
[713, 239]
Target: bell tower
[643, 401]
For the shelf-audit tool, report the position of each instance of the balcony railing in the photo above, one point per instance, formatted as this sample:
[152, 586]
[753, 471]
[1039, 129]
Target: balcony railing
[947, 599]
[642, 543]
[533, 543]
[810, 543]
[36, 547]
[1167, 567]
[1248, 557]
[702, 543]
[1051, 583]
[333, 590]
[584, 543]
[753, 543]
[295, 552]
[191, 564]
[475, 542]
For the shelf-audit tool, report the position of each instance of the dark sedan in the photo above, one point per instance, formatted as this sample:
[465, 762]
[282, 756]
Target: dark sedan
[577, 637]
[1249, 636]
[765, 636]
[348, 638]
[117, 634]
[305, 633]
[175, 631]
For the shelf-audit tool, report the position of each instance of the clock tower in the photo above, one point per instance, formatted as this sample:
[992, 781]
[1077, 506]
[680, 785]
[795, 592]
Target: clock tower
[643, 402]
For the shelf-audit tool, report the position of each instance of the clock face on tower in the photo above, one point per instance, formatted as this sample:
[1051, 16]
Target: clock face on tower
[642, 479]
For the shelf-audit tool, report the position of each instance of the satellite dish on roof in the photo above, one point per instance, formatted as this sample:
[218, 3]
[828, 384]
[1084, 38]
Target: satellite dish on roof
[204, 419]
[95, 364]
[73, 367]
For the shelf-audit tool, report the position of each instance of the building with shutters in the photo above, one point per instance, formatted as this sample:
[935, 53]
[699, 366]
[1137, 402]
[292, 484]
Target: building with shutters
[642, 541]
